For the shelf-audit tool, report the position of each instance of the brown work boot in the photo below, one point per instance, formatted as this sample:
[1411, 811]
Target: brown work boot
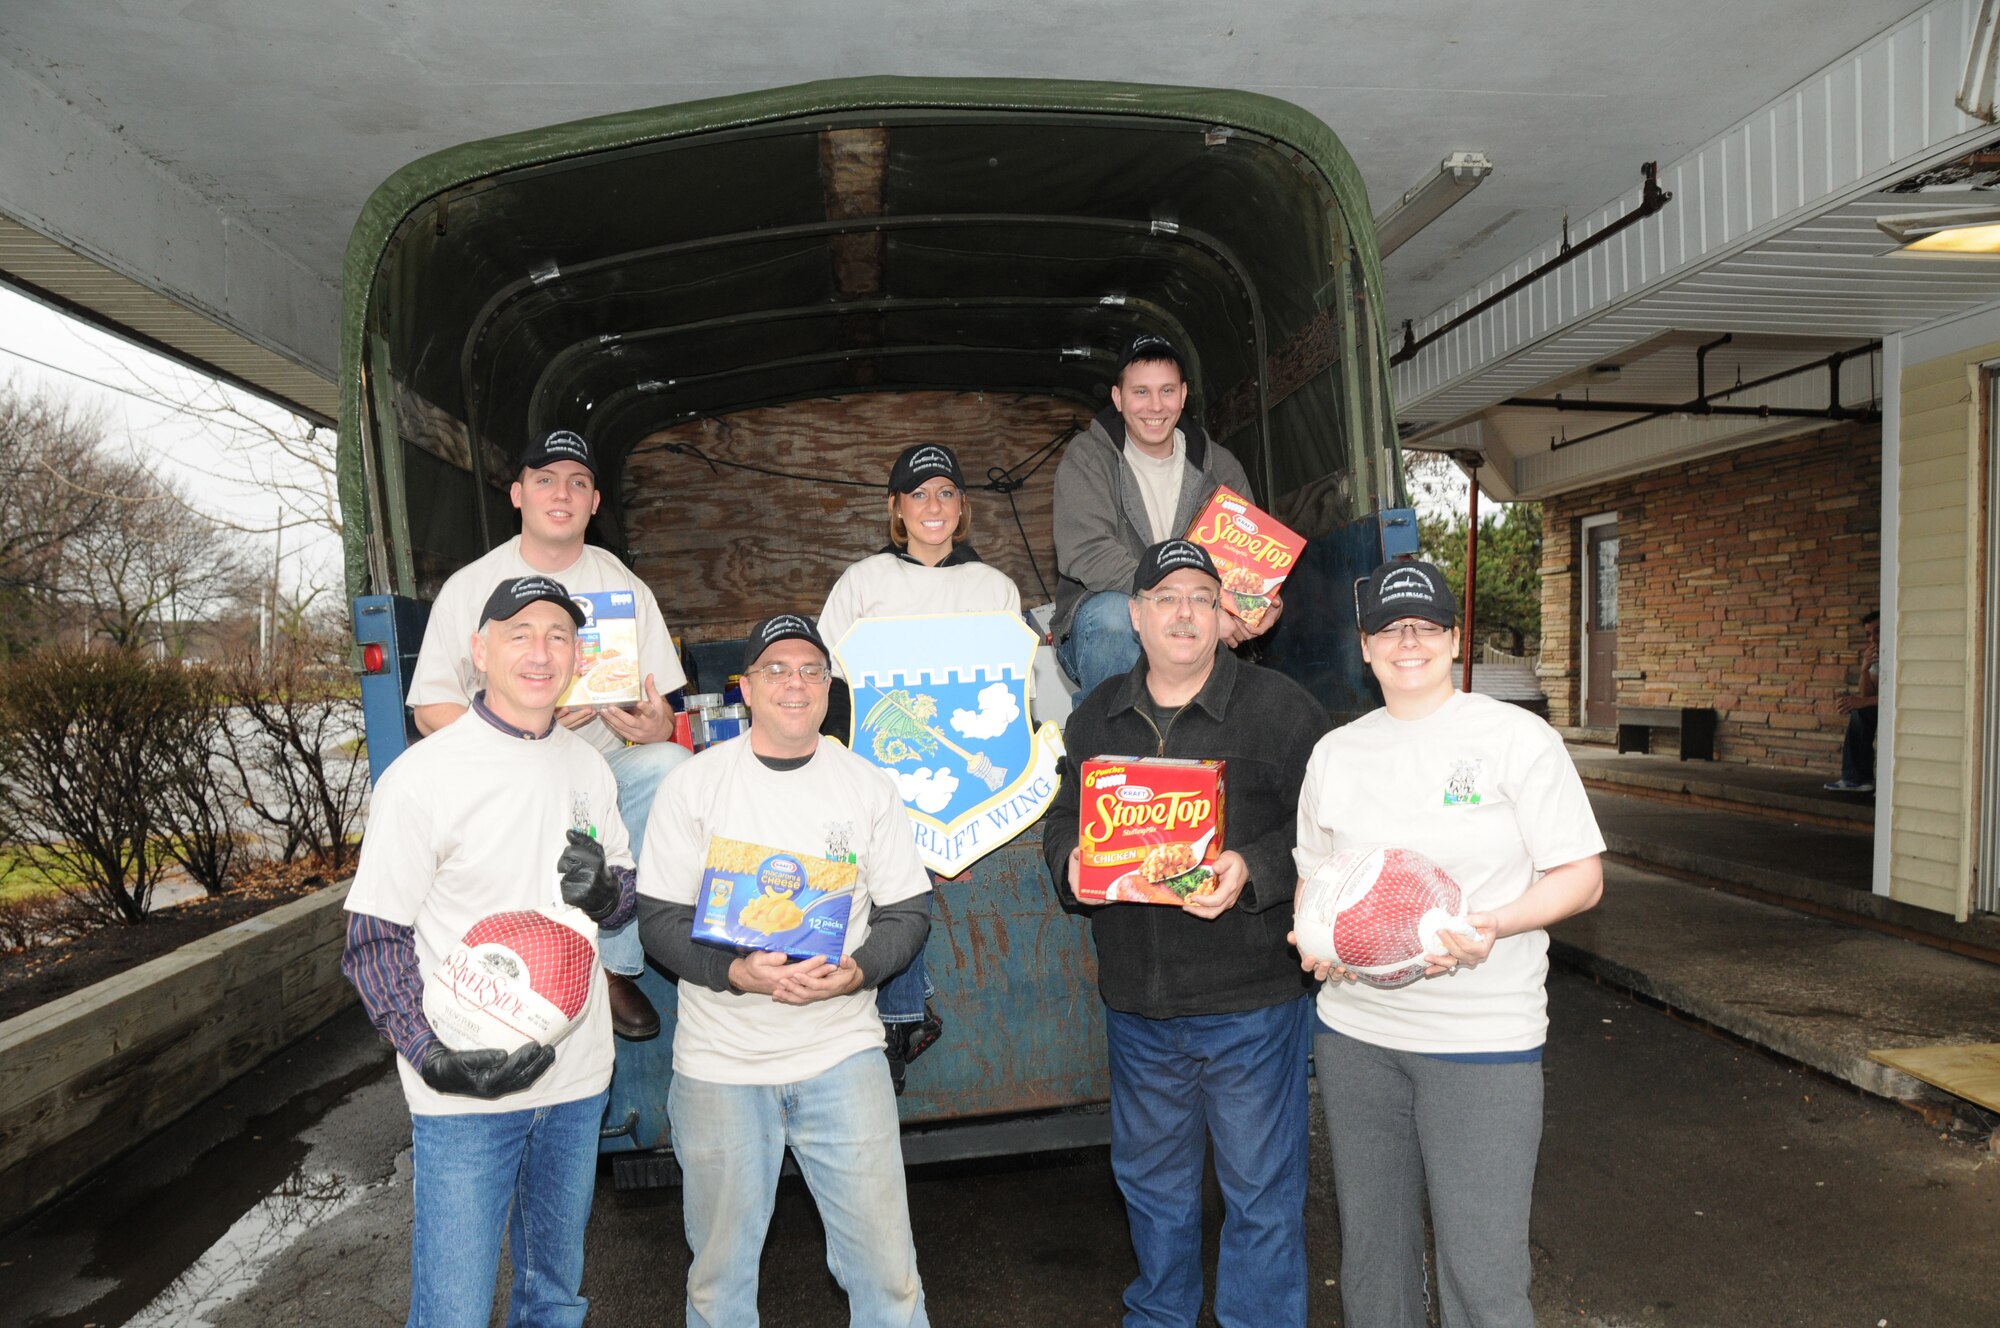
[632, 1015]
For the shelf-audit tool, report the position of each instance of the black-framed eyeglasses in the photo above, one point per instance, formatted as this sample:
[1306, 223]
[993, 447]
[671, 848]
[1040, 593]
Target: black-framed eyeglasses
[1420, 627]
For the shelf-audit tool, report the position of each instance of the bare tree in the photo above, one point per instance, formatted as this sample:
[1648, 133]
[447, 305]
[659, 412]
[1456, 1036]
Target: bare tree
[269, 450]
[141, 578]
[54, 471]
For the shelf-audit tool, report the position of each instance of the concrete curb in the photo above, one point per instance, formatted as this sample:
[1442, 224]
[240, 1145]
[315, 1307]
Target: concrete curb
[1868, 1075]
[1715, 869]
[1815, 989]
[1859, 815]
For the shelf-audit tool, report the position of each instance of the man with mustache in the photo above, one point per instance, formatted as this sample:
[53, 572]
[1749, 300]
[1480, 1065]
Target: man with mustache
[1206, 1017]
[556, 493]
[1140, 473]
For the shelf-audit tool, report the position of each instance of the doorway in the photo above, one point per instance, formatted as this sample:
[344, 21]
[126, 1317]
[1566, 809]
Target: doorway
[1600, 621]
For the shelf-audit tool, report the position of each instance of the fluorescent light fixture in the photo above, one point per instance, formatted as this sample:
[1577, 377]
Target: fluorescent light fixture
[1457, 175]
[1974, 231]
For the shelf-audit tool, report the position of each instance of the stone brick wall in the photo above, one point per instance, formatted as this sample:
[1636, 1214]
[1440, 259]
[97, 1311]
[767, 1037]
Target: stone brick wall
[1742, 580]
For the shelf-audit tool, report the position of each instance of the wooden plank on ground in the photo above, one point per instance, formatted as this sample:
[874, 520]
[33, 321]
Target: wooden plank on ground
[1971, 1072]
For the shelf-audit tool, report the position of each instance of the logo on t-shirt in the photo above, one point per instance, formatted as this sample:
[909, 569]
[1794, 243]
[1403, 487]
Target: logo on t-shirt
[840, 841]
[1462, 790]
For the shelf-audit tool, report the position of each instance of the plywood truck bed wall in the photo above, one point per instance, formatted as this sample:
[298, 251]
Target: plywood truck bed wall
[807, 278]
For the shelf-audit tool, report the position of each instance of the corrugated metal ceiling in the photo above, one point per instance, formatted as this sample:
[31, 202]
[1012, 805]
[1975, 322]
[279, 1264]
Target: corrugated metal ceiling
[90, 290]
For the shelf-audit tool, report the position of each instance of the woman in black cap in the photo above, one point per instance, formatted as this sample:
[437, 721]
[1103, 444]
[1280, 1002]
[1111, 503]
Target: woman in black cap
[927, 567]
[1433, 1088]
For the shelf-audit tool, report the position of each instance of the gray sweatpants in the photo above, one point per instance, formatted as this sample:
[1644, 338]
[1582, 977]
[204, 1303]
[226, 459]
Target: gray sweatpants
[1404, 1126]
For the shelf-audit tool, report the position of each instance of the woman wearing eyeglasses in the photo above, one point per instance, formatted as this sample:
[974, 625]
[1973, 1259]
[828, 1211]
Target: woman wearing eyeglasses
[927, 567]
[1433, 1090]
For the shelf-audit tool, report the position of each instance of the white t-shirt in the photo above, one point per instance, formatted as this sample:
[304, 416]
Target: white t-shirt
[470, 822]
[1160, 484]
[444, 669]
[885, 586]
[1485, 790]
[834, 805]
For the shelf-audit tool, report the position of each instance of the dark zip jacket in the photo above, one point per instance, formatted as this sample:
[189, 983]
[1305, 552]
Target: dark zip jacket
[1155, 960]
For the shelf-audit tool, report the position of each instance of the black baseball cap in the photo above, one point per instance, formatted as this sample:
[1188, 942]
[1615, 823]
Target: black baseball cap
[562, 445]
[923, 462]
[1148, 346]
[1170, 556]
[782, 627]
[1399, 590]
[510, 597]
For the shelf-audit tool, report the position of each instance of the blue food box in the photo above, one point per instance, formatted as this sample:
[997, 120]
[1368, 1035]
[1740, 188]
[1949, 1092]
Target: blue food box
[757, 898]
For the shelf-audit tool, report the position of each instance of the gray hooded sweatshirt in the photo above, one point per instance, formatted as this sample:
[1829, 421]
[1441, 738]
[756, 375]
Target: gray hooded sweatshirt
[1100, 515]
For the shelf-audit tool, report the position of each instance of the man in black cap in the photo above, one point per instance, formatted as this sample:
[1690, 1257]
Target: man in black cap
[1139, 474]
[770, 1052]
[556, 494]
[476, 822]
[1207, 1019]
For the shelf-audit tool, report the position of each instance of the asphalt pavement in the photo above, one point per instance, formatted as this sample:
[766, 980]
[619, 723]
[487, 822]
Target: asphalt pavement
[1686, 1179]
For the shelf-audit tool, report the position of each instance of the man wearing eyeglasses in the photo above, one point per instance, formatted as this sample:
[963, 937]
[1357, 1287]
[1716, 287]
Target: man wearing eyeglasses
[1139, 473]
[768, 1051]
[1206, 1017]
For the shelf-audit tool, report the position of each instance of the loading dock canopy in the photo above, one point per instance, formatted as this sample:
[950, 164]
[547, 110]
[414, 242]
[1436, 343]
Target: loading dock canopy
[620, 275]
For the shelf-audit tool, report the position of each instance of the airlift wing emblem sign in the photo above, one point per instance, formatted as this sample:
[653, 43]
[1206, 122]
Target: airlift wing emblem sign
[941, 703]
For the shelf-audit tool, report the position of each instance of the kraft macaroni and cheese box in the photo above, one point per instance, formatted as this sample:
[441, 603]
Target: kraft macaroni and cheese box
[607, 651]
[757, 898]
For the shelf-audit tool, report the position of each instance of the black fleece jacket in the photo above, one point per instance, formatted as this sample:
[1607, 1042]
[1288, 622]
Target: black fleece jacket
[1155, 960]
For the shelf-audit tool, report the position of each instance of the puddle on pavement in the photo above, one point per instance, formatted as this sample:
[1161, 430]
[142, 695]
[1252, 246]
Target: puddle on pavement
[169, 1251]
[233, 1264]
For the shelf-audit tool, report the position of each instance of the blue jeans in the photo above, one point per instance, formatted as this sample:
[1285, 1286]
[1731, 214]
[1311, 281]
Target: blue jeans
[1101, 643]
[730, 1140]
[528, 1173]
[1238, 1080]
[1857, 749]
[900, 1000]
[638, 771]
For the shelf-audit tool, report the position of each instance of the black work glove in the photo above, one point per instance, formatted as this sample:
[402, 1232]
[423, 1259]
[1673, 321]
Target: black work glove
[587, 882]
[487, 1072]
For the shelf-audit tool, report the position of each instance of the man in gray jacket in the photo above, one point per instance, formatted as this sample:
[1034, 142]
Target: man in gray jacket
[1137, 476]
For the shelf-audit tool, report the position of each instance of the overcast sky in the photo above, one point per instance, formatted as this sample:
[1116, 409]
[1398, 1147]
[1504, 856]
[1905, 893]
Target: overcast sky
[90, 368]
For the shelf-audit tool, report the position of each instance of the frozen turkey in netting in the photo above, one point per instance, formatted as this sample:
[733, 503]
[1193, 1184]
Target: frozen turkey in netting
[1378, 912]
[515, 978]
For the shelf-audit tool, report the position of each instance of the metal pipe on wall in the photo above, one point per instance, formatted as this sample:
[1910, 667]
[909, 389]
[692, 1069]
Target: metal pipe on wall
[1471, 565]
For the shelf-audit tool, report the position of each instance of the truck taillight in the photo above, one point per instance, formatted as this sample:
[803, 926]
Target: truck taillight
[372, 659]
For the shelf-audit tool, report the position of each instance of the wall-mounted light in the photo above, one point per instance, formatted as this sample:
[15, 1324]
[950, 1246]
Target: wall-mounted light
[1962, 231]
[1457, 175]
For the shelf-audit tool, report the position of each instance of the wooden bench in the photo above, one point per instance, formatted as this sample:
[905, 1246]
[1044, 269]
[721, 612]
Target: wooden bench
[1695, 724]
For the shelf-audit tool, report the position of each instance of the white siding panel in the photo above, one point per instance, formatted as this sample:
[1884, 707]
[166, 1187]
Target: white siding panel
[1872, 117]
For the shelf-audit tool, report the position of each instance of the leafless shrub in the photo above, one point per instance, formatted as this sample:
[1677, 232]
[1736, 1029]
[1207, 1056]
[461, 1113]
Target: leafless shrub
[91, 744]
[30, 922]
[293, 740]
[198, 791]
